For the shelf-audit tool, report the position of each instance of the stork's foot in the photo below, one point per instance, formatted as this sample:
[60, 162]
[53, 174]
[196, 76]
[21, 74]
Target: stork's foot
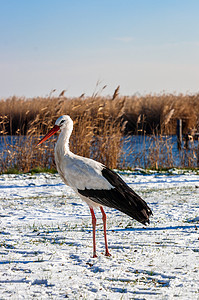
[94, 255]
[107, 253]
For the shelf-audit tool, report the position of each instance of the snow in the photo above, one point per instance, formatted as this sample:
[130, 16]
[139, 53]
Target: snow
[46, 241]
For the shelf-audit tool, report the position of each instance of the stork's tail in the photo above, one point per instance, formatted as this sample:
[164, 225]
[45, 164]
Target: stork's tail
[141, 214]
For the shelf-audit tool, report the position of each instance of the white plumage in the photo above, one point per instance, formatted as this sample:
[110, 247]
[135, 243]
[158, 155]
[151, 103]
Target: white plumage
[76, 171]
[93, 182]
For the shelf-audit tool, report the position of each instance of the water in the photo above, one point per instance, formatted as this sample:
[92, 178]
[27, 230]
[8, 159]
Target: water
[138, 151]
[158, 151]
[10, 140]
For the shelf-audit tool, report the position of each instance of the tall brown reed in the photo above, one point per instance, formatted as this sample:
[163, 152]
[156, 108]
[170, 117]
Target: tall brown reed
[98, 137]
[99, 126]
[158, 112]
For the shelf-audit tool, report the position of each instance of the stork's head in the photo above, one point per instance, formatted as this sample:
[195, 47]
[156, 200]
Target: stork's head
[63, 122]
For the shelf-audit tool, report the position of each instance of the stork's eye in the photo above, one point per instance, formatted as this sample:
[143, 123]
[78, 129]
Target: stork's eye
[62, 121]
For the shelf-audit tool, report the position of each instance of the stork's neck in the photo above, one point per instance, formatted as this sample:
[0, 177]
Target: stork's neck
[62, 144]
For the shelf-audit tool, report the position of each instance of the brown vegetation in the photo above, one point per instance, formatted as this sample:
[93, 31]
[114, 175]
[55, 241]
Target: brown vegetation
[150, 113]
[99, 125]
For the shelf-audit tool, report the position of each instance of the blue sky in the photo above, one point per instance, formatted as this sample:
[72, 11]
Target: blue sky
[143, 46]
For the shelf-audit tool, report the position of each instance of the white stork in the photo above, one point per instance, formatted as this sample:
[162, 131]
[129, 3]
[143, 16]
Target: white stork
[93, 182]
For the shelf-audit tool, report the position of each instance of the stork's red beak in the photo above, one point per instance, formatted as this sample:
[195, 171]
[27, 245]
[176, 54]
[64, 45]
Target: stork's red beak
[49, 134]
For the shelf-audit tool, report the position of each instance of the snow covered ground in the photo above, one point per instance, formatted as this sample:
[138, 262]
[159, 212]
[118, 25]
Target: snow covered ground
[46, 241]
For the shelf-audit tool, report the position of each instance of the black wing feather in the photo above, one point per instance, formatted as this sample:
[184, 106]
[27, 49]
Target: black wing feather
[121, 197]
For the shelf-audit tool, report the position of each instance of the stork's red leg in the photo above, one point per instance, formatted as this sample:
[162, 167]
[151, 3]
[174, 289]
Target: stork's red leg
[94, 227]
[105, 237]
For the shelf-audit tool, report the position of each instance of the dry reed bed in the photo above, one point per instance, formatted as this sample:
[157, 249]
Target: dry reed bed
[99, 125]
[150, 113]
